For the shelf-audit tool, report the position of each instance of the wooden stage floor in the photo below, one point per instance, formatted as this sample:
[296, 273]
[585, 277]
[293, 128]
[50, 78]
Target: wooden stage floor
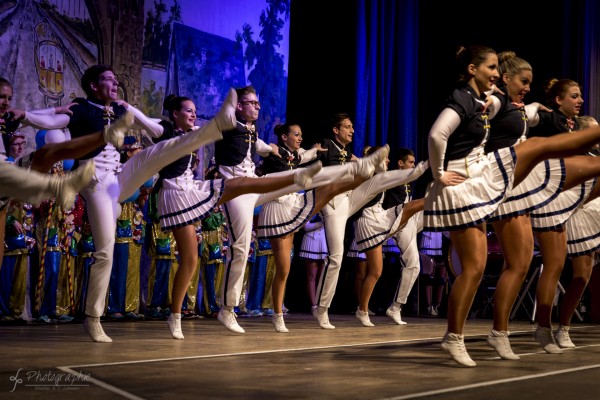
[351, 362]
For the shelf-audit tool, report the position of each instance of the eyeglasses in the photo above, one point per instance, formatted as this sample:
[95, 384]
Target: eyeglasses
[253, 103]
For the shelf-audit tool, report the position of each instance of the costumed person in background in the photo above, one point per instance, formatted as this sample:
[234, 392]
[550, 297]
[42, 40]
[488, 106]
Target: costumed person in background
[124, 287]
[18, 243]
[314, 251]
[57, 233]
[212, 255]
[432, 245]
[405, 238]
[259, 285]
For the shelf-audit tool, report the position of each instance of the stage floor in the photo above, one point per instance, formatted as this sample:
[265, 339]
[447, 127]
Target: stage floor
[351, 362]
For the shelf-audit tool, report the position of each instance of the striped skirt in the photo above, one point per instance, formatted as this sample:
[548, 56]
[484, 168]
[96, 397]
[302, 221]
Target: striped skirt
[583, 229]
[285, 215]
[474, 200]
[376, 225]
[354, 253]
[183, 205]
[314, 245]
[554, 214]
[542, 185]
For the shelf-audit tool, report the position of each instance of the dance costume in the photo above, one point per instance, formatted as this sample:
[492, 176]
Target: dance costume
[459, 135]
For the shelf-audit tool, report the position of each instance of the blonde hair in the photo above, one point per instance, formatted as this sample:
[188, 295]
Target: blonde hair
[510, 64]
[586, 121]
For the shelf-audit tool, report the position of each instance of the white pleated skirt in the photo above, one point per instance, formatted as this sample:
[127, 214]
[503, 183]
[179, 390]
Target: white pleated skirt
[285, 215]
[314, 245]
[354, 253]
[183, 205]
[558, 211]
[376, 225]
[474, 200]
[542, 185]
[583, 229]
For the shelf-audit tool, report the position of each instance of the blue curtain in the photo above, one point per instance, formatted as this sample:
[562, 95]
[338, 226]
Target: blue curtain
[386, 74]
[591, 58]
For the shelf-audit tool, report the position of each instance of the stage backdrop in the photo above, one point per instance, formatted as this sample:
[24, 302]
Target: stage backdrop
[195, 48]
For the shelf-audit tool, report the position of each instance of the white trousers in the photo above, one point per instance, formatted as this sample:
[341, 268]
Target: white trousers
[239, 216]
[406, 239]
[335, 216]
[24, 185]
[114, 183]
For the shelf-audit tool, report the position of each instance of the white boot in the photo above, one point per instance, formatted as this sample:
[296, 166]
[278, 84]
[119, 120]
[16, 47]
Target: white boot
[279, 323]
[303, 176]
[363, 317]
[320, 313]
[64, 188]
[94, 329]
[174, 323]
[454, 344]
[115, 132]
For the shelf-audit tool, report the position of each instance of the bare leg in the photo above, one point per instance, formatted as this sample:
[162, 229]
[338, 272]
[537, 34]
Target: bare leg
[582, 272]
[359, 278]
[536, 149]
[516, 240]
[471, 247]
[282, 248]
[187, 246]
[374, 268]
[553, 246]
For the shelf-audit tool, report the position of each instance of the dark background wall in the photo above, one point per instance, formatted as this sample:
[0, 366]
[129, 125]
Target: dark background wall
[323, 40]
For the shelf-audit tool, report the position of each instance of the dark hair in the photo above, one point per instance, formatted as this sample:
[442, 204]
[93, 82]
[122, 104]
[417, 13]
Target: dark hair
[244, 91]
[92, 75]
[466, 56]
[5, 82]
[403, 153]
[174, 103]
[283, 129]
[558, 88]
[336, 119]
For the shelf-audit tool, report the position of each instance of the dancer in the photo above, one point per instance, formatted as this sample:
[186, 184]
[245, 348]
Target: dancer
[314, 251]
[468, 186]
[372, 228]
[564, 97]
[583, 242]
[183, 200]
[512, 226]
[116, 182]
[405, 238]
[234, 155]
[342, 206]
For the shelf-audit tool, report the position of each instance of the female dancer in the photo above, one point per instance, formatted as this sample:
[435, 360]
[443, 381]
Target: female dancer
[583, 242]
[565, 98]
[183, 200]
[468, 186]
[510, 125]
